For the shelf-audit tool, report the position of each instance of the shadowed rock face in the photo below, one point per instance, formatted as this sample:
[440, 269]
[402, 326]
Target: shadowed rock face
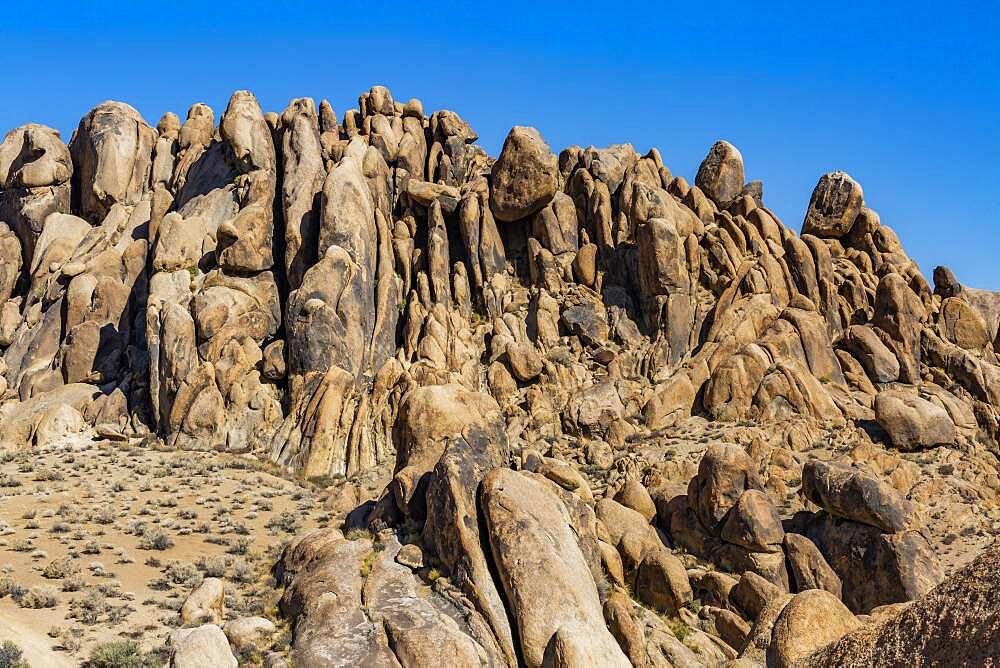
[566, 373]
[957, 623]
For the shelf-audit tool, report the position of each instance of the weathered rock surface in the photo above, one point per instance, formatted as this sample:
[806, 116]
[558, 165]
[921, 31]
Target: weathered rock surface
[543, 378]
[853, 495]
[811, 620]
[545, 571]
[201, 647]
[206, 604]
[834, 205]
[913, 422]
[957, 623]
[524, 177]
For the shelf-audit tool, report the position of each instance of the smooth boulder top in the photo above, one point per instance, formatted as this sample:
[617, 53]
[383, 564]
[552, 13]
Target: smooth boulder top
[720, 175]
[525, 177]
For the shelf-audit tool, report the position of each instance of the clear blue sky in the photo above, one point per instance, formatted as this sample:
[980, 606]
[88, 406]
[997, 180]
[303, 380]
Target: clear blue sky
[902, 95]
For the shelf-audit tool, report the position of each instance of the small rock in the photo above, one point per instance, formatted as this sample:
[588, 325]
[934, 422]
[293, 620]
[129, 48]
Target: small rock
[205, 604]
[248, 632]
[202, 647]
[411, 556]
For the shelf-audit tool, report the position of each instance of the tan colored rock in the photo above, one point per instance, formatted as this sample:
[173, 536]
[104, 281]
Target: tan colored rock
[525, 177]
[635, 496]
[662, 583]
[206, 604]
[58, 423]
[724, 473]
[753, 593]
[626, 629]
[248, 632]
[835, 203]
[753, 523]
[913, 422]
[202, 647]
[549, 585]
[112, 156]
[730, 627]
[808, 568]
[878, 361]
[961, 324]
[957, 623]
[811, 620]
[525, 362]
[855, 495]
[875, 568]
[720, 175]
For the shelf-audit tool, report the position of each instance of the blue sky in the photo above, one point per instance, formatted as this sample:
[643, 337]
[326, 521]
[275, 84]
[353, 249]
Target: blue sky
[902, 95]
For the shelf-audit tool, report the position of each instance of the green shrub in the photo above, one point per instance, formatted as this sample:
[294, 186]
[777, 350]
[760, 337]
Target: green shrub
[10, 656]
[42, 596]
[120, 654]
[154, 538]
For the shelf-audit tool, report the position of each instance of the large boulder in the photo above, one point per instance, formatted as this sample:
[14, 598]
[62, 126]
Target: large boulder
[854, 495]
[835, 203]
[878, 361]
[453, 531]
[206, 604]
[248, 633]
[550, 587]
[913, 422]
[807, 567]
[960, 323]
[429, 418]
[201, 647]
[753, 523]
[811, 620]
[323, 597]
[720, 175]
[112, 157]
[724, 473]
[525, 177]
[956, 624]
[35, 171]
[875, 568]
[420, 629]
[662, 582]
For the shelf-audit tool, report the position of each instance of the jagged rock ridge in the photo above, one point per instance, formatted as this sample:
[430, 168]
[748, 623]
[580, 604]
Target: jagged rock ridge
[345, 295]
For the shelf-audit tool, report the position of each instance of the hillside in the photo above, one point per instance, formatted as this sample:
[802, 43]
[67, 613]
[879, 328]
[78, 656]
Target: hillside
[558, 410]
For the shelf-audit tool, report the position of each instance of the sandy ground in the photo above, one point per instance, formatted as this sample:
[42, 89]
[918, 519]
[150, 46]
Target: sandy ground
[91, 513]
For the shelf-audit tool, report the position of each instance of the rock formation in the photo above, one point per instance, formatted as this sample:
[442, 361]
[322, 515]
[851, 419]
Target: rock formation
[527, 351]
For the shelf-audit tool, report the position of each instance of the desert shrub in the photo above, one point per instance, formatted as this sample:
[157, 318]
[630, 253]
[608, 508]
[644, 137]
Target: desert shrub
[213, 567]
[243, 571]
[60, 568]
[239, 545]
[60, 527]
[358, 534]
[9, 587]
[105, 515]
[154, 538]
[8, 481]
[286, 521]
[183, 573]
[42, 596]
[120, 654]
[73, 583]
[22, 545]
[90, 608]
[11, 655]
